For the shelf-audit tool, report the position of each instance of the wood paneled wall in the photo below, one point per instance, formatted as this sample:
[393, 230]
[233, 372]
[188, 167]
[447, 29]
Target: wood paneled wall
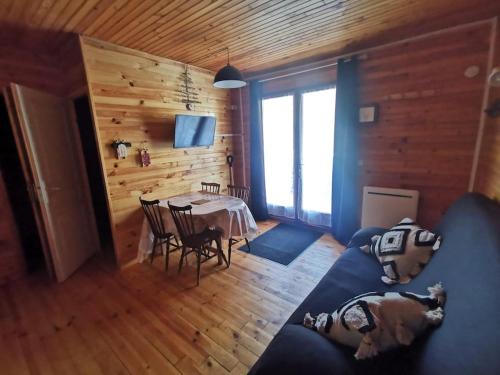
[12, 265]
[134, 98]
[429, 114]
[241, 141]
[33, 70]
[488, 173]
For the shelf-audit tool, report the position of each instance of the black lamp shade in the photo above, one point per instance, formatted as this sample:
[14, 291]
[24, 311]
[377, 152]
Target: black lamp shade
[229, 78]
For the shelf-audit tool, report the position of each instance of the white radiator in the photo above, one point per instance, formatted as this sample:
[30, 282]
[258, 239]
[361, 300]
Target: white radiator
[383, 207]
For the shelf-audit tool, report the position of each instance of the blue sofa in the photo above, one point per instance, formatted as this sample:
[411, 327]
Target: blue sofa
[468, 341]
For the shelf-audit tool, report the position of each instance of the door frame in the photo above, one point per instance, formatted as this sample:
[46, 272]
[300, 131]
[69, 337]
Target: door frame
[297, 149]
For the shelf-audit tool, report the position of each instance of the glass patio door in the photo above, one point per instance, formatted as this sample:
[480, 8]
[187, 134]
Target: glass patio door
[316, 156]
[298, 131]
[279, 165]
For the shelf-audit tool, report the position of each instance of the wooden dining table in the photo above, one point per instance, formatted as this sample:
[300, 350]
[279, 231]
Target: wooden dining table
[228, 214]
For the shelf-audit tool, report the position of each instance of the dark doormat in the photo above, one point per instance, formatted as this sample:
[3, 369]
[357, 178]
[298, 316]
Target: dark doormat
[283, 243]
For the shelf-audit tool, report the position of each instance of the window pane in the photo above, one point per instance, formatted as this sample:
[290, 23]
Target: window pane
[277, 120]
[318, 123]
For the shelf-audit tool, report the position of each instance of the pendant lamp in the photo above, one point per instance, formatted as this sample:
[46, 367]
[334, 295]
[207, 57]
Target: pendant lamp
[229, 77]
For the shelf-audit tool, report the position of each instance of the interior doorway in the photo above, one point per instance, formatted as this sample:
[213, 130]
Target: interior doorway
[50, 153]
[17, 192]
[94, 173]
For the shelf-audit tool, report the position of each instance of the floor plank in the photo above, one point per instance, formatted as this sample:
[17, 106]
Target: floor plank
[142, 320]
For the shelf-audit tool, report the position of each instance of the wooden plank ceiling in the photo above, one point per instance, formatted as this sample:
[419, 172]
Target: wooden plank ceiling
[261, 34]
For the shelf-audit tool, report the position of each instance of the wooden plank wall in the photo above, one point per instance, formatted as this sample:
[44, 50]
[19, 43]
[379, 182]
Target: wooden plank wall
[70, 62]
[488, 174]
[133, 95]
[33, 70]
[241, 140]
[12, 265]
[429, 114]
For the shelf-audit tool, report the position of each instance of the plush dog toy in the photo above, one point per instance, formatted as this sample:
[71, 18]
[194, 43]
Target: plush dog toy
[376, 322]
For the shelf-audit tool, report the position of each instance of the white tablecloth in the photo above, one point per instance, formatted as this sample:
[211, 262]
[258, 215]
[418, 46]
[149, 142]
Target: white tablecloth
[227, 214]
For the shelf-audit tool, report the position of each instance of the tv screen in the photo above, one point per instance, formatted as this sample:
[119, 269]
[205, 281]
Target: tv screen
[194, 131]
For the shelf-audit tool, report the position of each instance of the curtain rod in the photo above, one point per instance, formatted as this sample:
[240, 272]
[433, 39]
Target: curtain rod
[298, 72]
[362, 52]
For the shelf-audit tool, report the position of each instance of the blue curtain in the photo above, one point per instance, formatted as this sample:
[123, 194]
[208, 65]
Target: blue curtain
[345, 185]
[258, 203]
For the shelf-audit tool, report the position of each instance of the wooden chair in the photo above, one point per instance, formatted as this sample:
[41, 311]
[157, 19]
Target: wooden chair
[210, 187]
[199, 243]
[239, 192]
[243, 193]
[161, 236]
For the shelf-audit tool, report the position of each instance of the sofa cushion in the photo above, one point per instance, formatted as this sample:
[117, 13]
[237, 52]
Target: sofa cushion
[468, 264]
[312, 354]
[363, 237]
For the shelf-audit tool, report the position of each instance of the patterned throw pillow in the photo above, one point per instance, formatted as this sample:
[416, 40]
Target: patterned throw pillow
[403, 251]
[376, 322]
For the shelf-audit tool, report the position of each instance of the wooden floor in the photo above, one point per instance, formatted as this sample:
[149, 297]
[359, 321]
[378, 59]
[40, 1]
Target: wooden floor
[141, 320]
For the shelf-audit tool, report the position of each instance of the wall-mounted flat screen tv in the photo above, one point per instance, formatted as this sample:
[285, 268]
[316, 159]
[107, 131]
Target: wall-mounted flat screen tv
[194, 131]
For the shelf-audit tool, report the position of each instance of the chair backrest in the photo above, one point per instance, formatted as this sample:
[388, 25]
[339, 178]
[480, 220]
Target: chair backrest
[183, 220]
[153, 214]
[241, 192]
[211, 187]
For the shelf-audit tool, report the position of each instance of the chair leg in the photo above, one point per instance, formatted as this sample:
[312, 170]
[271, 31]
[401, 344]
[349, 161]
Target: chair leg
[153, 251]
[167, 254]
[221, 252]
[229, 251]
[248, 244]
[198, 261]
[183, 255]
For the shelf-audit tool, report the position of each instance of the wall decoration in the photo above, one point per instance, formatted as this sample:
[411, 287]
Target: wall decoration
[121, 148]
[187, 93]
[145, 157]
[368, 114]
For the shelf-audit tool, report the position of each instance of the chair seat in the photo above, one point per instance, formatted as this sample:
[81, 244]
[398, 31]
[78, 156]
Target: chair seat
[200, 243]
[165, 235]
[198, 239]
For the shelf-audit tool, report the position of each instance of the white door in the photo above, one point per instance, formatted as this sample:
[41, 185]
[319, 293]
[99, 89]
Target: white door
[52, 146]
